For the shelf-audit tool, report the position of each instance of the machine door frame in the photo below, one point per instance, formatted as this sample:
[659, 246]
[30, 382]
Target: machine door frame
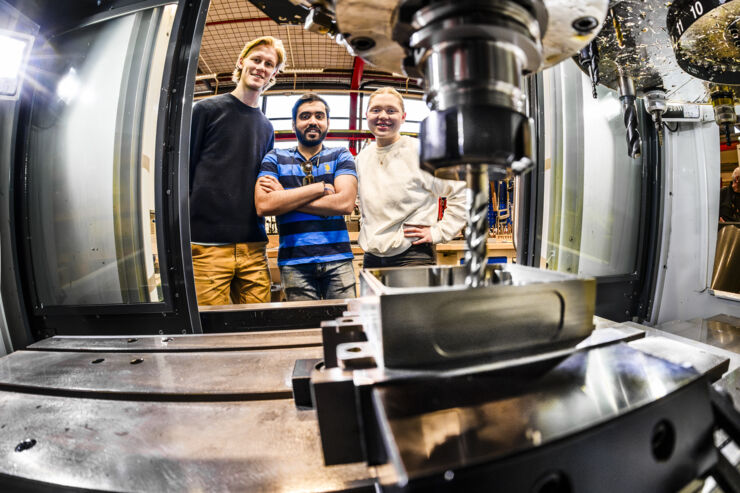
[178, 311]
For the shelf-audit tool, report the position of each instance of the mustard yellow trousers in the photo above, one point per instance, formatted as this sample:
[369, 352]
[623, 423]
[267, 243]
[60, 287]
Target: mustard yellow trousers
[235, 273]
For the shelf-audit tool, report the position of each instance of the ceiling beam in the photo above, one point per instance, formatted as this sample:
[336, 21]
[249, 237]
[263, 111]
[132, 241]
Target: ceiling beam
[239, 21]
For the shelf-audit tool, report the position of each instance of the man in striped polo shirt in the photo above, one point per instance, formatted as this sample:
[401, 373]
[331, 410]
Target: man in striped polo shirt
[309, 188]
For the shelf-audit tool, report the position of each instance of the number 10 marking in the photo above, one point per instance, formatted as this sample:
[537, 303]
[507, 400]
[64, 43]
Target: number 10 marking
[697, 9]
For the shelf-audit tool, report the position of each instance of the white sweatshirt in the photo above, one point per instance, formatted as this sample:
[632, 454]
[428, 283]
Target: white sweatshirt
[394, 191]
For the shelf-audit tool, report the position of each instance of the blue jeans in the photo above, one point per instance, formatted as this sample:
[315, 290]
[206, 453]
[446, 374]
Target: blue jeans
[322, 281]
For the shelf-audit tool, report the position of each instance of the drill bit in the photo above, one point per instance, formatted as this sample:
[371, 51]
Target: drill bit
[728, 133]
[476, 229]
[658, 123]
[588, 59]
[634, 142]
[627, 97]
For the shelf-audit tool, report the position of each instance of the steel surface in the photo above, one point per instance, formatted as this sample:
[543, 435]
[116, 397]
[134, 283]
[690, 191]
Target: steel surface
[210, 342]
[259, 446]
[721, 331]
[208, 376]
[438, 426]
[682, 354]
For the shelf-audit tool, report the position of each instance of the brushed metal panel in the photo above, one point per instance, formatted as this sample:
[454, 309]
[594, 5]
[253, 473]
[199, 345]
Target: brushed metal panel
[182, 376]
[258, 446]
[197, 342]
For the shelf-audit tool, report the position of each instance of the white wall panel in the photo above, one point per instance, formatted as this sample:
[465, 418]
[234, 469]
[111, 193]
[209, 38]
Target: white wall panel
[691, 208]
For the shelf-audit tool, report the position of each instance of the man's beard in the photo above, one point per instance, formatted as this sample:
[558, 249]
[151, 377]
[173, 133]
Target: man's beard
[301, 136]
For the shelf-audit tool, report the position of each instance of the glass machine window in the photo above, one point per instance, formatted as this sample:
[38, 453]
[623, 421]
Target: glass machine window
[91, 176]
[591, 207]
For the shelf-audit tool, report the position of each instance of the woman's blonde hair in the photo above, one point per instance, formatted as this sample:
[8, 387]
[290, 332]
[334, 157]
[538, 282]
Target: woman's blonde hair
[387, 90]
[267, 41]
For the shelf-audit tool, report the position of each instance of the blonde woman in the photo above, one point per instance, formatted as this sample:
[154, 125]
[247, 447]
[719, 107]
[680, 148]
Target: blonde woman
[399, 201]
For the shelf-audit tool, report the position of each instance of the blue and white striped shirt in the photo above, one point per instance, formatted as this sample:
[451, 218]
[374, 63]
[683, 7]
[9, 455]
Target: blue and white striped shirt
[307, 238]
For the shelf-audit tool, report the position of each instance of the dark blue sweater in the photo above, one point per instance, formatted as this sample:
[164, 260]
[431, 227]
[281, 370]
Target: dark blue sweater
[228, 140]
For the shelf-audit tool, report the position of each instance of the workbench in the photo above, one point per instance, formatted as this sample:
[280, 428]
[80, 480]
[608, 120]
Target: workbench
[453, 252]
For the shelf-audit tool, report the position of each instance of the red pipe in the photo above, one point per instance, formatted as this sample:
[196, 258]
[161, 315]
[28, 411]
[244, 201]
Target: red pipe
[357, 69]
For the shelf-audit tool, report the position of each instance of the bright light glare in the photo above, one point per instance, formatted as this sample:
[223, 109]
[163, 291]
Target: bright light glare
[69, 86]
[11, 56]
[609, 106]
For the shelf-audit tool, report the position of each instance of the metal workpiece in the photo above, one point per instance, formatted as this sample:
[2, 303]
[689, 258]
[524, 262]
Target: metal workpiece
[109, 445]
[243, 375]
[610, 334]
[363, 357]
[426, 316]
[170, 343]
[648, 418]
[628, 97]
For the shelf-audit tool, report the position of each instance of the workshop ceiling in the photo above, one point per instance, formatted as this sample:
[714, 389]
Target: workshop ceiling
[313, 60]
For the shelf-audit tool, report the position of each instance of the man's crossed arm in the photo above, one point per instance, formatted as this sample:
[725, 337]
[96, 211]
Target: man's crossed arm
[321, 199]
